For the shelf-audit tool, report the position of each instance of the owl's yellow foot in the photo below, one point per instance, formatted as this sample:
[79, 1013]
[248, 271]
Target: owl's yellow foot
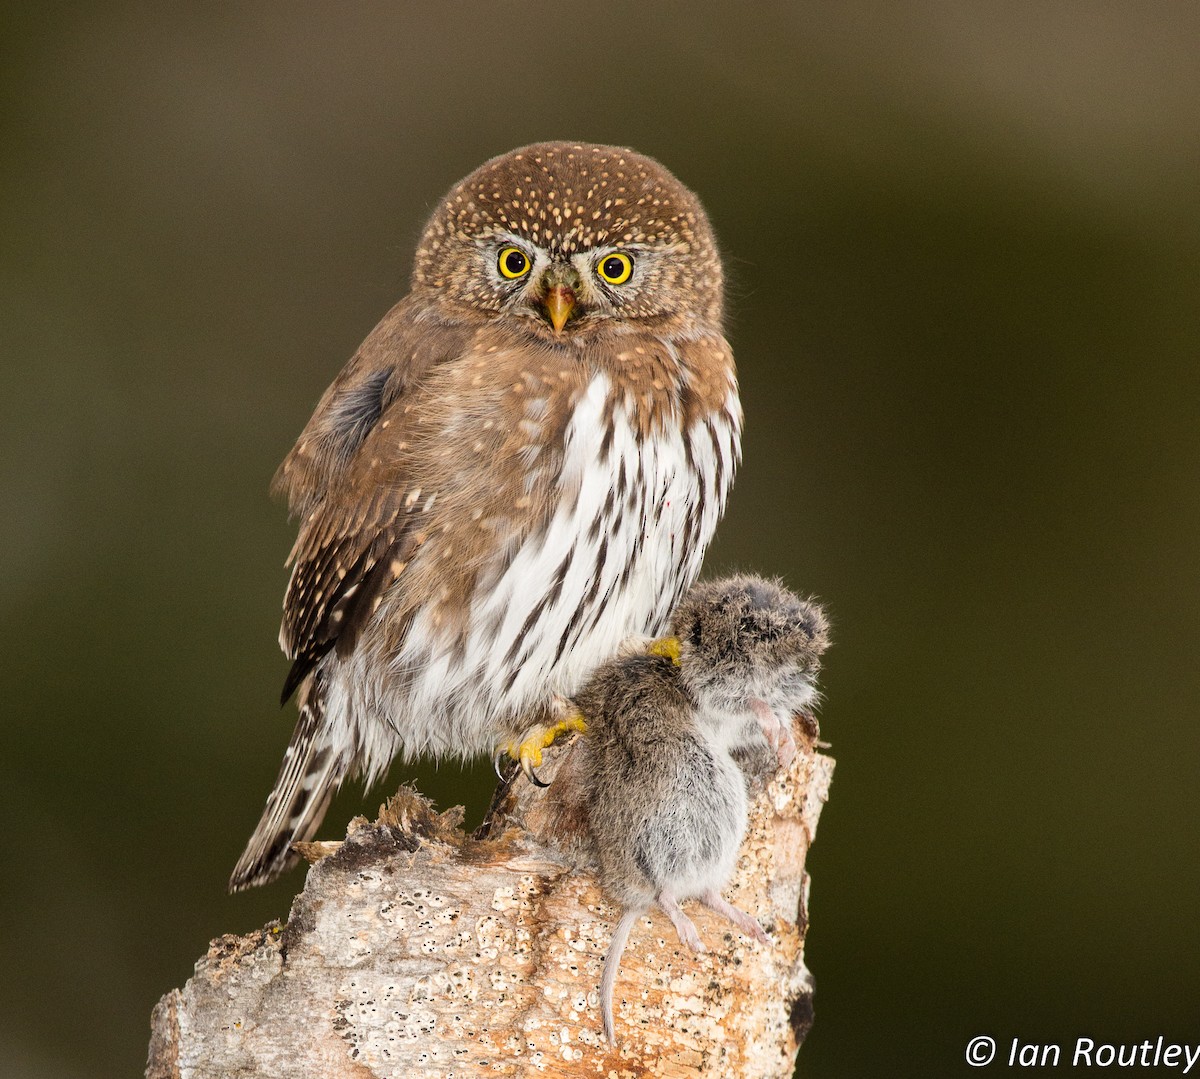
[528, 750]
[641, 645]
[665, 646]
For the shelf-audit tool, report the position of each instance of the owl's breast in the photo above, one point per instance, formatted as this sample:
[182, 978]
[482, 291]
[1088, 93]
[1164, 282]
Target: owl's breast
[633, 512]
[628, 517]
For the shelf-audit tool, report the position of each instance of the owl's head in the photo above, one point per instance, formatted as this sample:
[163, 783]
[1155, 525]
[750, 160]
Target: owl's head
[572, 235]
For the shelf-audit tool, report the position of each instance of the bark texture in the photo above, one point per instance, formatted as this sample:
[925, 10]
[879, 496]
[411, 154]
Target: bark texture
[418, 950]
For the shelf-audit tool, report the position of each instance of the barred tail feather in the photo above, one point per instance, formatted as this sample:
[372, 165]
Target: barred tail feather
[313, 767]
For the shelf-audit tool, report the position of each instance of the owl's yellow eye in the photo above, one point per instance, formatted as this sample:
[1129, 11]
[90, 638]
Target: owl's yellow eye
[615, 268]
[513, 263]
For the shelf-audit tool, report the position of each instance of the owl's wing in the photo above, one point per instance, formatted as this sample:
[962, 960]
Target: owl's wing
[351, 489]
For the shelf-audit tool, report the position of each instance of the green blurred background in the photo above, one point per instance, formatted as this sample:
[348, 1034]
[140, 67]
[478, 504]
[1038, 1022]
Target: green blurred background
[962, 241]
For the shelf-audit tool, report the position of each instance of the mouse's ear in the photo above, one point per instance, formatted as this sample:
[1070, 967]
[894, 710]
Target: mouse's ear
[809, 621]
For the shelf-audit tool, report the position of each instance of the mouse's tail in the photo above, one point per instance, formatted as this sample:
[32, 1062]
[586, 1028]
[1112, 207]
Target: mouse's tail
[612, 961]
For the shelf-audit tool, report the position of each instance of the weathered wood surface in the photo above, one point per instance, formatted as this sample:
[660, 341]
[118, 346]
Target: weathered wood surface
[417, 950]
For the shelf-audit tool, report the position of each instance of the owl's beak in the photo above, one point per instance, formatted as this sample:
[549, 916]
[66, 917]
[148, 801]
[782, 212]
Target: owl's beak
[559, 302]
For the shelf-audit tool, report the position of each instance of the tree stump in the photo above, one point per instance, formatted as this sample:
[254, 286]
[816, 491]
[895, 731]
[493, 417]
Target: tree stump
[416, 949]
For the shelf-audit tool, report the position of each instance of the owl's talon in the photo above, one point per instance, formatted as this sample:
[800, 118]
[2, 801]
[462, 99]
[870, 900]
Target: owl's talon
[529, 755]
[531, 775]
[528, 752]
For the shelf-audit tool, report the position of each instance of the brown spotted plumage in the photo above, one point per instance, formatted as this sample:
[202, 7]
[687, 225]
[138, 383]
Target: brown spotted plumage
[520, 467]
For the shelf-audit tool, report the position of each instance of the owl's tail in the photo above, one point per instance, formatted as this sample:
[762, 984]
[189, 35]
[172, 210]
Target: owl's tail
[313, 767]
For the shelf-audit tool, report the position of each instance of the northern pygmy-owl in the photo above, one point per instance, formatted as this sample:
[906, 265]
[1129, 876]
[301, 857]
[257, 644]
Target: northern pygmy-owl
[520, 467]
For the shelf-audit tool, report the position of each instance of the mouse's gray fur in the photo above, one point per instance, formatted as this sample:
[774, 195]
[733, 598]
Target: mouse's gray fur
[665, 799]
[754, 650]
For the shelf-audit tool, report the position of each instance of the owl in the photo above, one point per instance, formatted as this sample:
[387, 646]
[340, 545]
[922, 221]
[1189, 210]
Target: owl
[519, 469]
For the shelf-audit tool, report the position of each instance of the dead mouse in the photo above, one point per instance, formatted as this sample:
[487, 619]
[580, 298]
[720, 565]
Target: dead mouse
[665, 799]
